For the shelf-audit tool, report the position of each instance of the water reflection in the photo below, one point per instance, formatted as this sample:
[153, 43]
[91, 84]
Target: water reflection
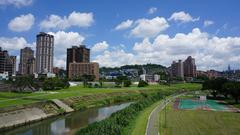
[69, 124]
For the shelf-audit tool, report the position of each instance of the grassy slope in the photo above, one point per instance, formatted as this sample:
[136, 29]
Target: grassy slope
[12, 99]
[187, 122]
[138, 126]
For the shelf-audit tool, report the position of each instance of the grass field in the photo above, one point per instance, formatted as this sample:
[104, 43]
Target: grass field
[13, 99]
[197, 122]
[138, 126]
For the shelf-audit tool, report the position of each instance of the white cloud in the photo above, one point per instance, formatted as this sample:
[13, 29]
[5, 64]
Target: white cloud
[152, 10]
[115, 58]
[210, 52]
[124, 25]
[182, 17]
[149, 27]
[21, 23]
[14, 43]
[62, 41]
[16, 3]
[74, 19]
[99, 47]
[208, 23]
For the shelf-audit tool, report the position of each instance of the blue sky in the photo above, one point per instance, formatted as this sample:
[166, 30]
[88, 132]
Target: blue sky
[152, 31]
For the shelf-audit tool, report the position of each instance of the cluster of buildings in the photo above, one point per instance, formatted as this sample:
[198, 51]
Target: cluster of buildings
[184, 69]
[78, 61]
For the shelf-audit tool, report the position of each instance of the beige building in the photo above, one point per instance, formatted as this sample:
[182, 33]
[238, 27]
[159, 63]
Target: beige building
[177, 69]
[79, 69]
[44, 53]
[26, 56]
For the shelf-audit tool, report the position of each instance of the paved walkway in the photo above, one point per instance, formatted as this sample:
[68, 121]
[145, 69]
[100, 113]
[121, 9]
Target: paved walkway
[62, 105]
[153, 119]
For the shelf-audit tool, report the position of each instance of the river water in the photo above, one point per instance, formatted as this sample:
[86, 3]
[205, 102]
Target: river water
[67, 124]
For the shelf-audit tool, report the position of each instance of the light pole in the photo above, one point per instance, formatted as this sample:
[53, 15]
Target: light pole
[165, 103]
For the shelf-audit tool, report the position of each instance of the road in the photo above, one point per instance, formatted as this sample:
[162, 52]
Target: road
[153, 119]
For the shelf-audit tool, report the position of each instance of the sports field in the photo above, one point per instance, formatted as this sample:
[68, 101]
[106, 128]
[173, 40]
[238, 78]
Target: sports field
[198, 122]
[196, 104]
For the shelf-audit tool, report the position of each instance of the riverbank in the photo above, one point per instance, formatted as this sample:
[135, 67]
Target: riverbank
[39, 111]
[77, 98]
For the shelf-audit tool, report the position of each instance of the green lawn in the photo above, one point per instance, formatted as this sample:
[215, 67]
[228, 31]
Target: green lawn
[188, 122]
[13, 99]
[138, 126]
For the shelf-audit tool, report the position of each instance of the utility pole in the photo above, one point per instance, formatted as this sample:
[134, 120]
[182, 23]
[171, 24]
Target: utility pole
[165, 103]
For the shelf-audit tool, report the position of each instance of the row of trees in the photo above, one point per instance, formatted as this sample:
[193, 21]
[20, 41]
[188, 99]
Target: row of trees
[29, 83]
[223, 87]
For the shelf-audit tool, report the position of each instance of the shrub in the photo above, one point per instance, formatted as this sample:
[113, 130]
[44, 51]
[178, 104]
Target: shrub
[127, 83]
[142, 83]
[115, 124]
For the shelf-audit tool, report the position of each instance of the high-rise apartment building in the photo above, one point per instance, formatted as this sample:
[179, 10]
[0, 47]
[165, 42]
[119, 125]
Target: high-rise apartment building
[26, 56]
[190, 69]
[77, 54]
[177, 69]
[78, 63]
[31, 66]
[76, 70]
[44, 53]
[7, 63]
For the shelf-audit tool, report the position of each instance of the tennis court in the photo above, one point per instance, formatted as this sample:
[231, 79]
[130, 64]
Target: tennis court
[196, 104]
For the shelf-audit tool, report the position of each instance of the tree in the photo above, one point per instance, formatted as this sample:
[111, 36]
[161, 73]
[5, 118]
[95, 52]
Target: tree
[127, 83]
[23, 82]
[214, 86]
[232, 88]
[142, 83]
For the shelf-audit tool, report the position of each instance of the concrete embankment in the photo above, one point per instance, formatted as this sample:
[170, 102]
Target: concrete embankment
[26, 115]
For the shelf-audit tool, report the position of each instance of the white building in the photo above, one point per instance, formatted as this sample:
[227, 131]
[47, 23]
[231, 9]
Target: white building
[150, 78]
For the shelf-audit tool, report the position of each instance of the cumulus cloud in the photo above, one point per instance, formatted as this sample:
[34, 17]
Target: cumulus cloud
[149, 27]
[124, 25]
[99, 47]
[62, 41]
[208, 23]
[152, 10]
[21, 23]
[77, 19]
[210, 52]
[16, 3]
[115, 58]
[182, 17]
[13, 44]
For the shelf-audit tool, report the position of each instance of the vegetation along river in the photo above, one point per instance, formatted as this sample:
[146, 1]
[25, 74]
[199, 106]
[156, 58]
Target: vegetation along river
[67, 124]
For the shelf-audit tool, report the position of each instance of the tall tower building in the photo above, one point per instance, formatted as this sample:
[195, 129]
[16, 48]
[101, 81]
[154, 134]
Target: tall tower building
[177, 69]
[44, 53]
[7, 63]
[26, 54]
[77, 54]
[190, 69]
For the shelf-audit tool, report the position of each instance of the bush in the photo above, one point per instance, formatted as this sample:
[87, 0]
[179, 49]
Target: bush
[127, 83]
[142, 83]
[115, 124]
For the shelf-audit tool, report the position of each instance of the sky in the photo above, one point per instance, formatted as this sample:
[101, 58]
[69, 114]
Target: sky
[121, 32]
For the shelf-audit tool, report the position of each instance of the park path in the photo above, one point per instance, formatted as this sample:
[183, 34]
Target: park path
[153, 119]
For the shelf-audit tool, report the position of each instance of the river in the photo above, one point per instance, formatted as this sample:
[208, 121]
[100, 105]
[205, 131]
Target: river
[67, 124]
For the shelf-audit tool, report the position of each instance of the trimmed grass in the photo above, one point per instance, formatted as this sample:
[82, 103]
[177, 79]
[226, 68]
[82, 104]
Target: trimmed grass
[187, 122]
[138, 126]
[14, 99]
